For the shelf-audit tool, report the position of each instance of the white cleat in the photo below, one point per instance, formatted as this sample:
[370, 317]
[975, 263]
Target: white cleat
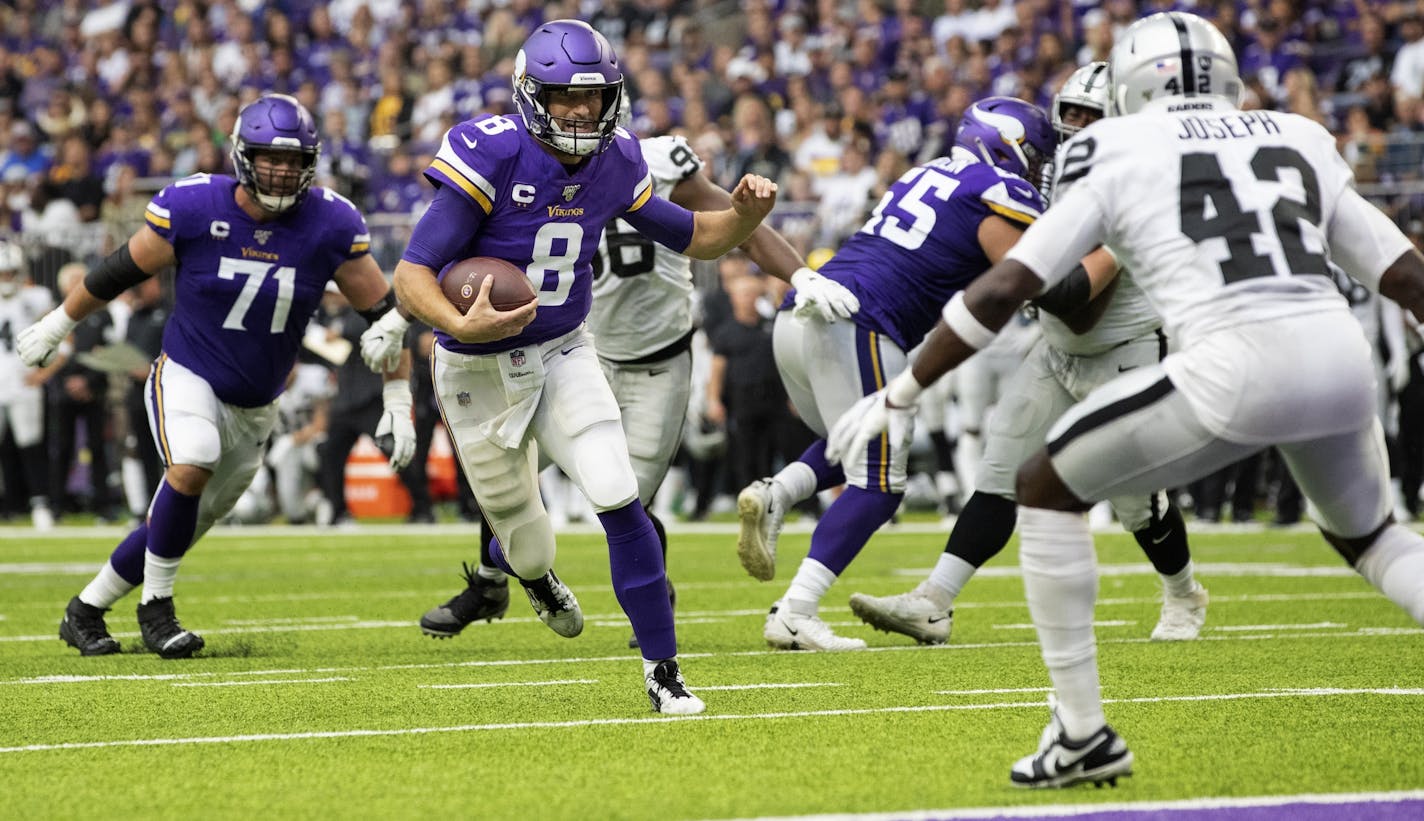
[910, 614]
[1182, 616]
[788, 631]
[555, 605]
[668, 692]
[761, 516]
[42, 518]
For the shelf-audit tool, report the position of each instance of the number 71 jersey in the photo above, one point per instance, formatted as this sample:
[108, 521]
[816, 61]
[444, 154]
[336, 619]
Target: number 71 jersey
[245, 290]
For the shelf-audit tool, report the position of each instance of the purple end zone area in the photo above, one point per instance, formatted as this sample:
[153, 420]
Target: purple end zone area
[1403, 810]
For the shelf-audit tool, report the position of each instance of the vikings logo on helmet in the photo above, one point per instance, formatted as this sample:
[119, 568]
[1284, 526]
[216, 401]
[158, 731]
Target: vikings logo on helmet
[1009, 133]
[275, 122]
[558, 56]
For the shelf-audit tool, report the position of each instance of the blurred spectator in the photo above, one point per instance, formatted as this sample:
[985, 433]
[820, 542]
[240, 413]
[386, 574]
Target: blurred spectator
[24, 468]
[846, 196]
[79, 405]
[1407, 74]
[25, 152]
[72, 178]
[744, 390]
[757, 148]
[145, 332]
[1372, 57]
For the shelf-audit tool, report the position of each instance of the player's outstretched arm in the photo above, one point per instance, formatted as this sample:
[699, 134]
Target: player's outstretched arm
[772, 253]
[714, 233]
[1403, 282]
[418, 289]
[145, 254]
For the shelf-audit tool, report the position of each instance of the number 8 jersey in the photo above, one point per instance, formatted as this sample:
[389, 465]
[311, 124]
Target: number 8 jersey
[245, 290]
[537, 214]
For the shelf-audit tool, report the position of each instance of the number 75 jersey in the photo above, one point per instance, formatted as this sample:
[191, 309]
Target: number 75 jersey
[921, 245]
[1225, 217]
[245, 290]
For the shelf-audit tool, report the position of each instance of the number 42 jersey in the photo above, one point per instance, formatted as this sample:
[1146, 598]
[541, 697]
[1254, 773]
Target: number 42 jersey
[1225, 217]
[245, 290]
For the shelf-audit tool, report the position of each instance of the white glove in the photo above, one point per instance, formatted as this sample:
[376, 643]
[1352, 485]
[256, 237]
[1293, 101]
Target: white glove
[382, 343]
[1398, 369]
[821, 298]
[396, 423]
[873, 415]
[36, 344]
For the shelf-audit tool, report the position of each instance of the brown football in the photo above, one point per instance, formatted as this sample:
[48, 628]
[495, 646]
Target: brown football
[510, 289]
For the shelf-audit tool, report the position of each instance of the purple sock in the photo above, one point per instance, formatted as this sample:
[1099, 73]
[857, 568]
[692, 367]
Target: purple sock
[635, 559]
[172, 522]
[848, 525]
[827, 474]
[497, 556]
[127, 558]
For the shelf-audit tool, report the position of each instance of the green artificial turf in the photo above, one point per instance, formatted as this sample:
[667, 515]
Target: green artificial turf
[318, 697]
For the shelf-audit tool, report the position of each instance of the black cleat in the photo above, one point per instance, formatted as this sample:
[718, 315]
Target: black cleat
[163, 634]
[83, 628]
[672, 599]
[1061, 762]
[481, 599]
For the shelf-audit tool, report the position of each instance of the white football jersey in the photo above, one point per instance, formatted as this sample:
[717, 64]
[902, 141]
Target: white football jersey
[1225, 217]
[17, 313]
[642, 291]
[1128, 316]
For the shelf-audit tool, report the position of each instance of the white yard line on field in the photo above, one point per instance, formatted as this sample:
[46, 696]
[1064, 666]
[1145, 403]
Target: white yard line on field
[485, 685]
[611, 722]
[260, 681]
[69, 678]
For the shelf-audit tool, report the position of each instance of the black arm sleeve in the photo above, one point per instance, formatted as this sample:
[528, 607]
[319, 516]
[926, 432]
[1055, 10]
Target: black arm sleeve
[378, 310]
[116, 274]
[1068, 295]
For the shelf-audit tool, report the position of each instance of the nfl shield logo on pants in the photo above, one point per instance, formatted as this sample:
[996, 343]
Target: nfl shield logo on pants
[516, 358]
[463, 397]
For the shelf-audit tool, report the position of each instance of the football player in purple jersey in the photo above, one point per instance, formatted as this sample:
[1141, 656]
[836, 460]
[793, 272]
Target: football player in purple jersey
[253, 257]
[939, 227]
[537, 190]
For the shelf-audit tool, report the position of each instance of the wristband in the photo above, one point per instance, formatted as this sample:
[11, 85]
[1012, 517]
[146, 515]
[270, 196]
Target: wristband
[396, 393]
[375, 312]
[903, 390]
[965, 326]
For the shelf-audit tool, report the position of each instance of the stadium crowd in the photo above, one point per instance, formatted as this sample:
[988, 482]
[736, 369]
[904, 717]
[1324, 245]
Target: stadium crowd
[103, 104]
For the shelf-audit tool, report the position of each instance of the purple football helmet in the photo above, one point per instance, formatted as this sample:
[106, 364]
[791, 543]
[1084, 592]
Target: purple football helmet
[275, 122]
[562, 55]
[1009, 133]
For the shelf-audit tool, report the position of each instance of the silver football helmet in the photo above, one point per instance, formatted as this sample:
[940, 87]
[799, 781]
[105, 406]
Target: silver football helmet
[12, 265]
[1171, 54]
[1087, 87]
